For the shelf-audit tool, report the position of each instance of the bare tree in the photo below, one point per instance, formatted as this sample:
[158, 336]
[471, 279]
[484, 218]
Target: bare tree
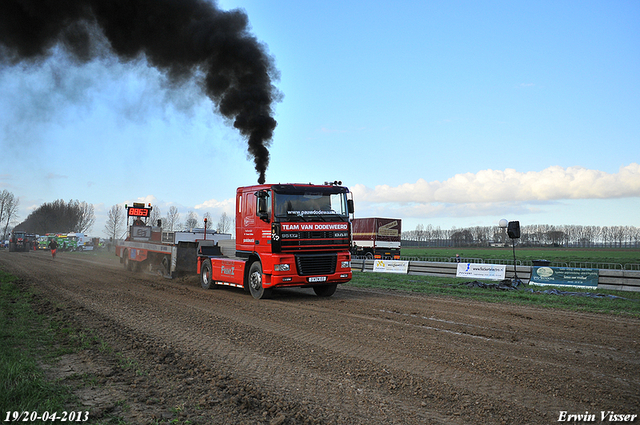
[115, 222]
[206, 216]
[155, 216]
[419, 232]
[86, 217]
[8, 210]
[191, 221]
[5, 197]
[224, 224]
[172, 220]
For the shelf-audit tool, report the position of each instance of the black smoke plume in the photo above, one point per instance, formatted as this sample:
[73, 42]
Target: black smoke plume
[182, 38]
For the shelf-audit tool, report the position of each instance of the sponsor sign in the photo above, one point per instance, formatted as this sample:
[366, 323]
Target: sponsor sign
[391, 266]
[481, 271]
[389, 229]
[314, 226]
[560, 276]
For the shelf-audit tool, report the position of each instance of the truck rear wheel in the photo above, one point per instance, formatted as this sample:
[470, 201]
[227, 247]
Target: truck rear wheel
[166, 266]
[255, 282]
[126, 262]
[129, 264]
[205, 275]
[325, 290]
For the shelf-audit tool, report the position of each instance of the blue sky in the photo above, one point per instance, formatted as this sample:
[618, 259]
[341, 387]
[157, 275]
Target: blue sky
[437, 112]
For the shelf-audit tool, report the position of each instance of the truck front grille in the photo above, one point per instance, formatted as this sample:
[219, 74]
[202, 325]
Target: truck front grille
[316, 264]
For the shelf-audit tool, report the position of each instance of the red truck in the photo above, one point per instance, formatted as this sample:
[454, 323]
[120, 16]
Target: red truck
[376, 237]
[287, 235]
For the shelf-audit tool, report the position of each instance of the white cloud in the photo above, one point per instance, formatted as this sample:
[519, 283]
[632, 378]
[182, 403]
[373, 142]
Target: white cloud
[491, 186]
[218, 207]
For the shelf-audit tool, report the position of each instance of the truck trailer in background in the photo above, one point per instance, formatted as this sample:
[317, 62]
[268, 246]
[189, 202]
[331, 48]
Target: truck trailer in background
[376, 237]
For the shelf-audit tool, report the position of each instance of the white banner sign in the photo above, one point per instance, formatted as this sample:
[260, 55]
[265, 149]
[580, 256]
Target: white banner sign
[391, 266]
[481, 271]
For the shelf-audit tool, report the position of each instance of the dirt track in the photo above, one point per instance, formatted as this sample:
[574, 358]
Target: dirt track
[359, 357]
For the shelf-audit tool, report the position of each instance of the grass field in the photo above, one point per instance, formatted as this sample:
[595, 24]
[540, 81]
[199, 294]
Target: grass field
[560, 255]
[27, 339]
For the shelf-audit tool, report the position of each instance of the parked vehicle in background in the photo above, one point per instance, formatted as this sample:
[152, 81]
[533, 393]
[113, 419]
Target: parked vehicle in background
[376, 237]
[20, 241]
[79, 242]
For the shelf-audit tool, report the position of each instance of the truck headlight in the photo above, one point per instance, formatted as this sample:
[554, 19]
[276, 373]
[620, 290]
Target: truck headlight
[281, 267]
[345, 264]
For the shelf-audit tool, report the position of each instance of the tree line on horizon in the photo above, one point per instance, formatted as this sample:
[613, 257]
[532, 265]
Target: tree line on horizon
[536, 235]
[59, 217]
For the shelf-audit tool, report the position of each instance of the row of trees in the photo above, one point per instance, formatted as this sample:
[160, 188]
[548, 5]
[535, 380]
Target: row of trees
[59, 217]
[116, 221]
[531, 235]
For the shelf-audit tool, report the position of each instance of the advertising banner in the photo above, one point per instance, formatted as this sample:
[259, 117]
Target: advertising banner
[391, 266]
[582, 278]
[481, 271]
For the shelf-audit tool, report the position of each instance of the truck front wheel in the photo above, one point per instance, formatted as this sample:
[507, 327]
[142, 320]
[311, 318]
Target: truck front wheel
[255, 282]
[325, 290]
[205, 275]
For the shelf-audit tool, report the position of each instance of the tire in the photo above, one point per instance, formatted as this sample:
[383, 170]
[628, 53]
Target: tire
[369, 256]
[255, 282]
[205, 275]
[166, 264]
[127, 262]
[325, 290]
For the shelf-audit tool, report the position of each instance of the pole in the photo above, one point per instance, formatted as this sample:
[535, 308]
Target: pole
[516, 280]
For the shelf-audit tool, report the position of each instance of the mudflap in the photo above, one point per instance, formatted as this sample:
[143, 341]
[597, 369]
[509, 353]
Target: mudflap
[186, 258]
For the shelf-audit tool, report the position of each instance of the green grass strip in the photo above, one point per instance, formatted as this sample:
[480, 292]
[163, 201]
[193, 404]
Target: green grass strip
[24, 338]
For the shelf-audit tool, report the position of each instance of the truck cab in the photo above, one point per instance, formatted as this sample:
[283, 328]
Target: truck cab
[287, 235]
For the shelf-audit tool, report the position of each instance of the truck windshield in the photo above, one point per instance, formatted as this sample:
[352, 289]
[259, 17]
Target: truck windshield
[308, 206]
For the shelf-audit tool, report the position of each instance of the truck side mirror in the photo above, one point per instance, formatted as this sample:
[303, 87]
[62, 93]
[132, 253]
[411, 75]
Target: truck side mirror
[350, 207]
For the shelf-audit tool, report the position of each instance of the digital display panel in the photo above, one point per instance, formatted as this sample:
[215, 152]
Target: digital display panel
[139, 212]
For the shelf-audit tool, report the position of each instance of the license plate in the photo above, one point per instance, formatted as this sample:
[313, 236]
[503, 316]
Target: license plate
[318, 279]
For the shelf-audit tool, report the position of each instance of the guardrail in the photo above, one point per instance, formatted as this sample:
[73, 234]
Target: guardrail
[621, 280]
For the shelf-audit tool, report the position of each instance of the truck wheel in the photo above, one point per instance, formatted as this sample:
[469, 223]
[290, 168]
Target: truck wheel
[255, 282]
[166, 264]
[128, 263]
[205, 275]
[369, 256]
[325, 290]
